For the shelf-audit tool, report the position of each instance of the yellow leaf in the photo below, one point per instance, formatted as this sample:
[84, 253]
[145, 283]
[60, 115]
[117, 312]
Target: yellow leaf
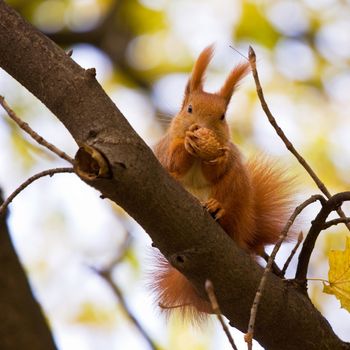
[339, 275]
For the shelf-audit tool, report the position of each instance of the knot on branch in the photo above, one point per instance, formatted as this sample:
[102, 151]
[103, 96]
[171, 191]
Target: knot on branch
[91, 72]
[178, 260]
[91, 164]
[182, 260]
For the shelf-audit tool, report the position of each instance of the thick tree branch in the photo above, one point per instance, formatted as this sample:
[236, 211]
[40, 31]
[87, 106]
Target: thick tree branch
[22, 324]
[183, 231]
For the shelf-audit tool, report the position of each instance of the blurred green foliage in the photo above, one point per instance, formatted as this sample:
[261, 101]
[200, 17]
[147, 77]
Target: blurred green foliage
[140, 19]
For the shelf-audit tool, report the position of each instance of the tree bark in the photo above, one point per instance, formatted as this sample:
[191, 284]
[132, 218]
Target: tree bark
[182, 230]
[22, 324]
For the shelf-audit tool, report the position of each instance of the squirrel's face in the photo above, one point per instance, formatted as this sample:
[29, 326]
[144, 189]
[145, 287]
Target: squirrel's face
[204, 110]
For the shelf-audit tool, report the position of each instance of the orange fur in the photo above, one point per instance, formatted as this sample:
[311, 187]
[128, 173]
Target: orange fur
[175, 292]
[253, 198]
[231, 83]
[273, 204]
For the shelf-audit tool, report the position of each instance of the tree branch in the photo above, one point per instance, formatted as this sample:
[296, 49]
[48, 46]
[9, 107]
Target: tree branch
[317, 226]
[39, 139]
[334, 222]
[106, 275]
[216, 309]
[292, 253]
[25, 184]
[22, 323]
[183, 231]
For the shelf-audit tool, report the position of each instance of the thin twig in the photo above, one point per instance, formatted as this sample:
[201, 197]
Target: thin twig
[318, 280]
[274, 267]
[283, 137]
[106, 274]
[334, 222]
[216, 309]
[239, 52]
[253, 311]
[39, 139]
[123, 249]
[286, 264]
[25, 184]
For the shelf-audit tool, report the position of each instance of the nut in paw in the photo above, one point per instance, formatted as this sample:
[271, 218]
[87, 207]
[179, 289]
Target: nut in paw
[203, 143]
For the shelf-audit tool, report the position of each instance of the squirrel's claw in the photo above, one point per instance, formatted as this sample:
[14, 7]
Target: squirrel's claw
[220, 158]
[191, 134]
[214, 208]
[190, 146]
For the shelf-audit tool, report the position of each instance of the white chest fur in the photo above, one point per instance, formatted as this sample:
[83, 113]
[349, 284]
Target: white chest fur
[195, 182]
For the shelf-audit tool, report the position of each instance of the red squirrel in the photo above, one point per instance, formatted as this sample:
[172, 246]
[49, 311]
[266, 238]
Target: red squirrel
[250, 200]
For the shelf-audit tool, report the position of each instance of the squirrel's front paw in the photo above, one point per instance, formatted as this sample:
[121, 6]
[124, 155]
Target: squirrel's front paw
[214, 208]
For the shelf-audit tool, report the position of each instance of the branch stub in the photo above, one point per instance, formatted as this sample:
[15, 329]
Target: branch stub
[91, 164]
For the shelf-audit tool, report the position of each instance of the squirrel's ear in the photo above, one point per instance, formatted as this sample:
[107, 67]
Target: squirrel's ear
[231, 83]
[196, 79]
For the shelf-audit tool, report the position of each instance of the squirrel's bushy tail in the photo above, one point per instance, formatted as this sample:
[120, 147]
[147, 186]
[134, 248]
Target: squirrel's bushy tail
[173, 292]
[273, 200]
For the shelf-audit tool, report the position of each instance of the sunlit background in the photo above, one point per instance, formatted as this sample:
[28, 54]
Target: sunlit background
[143, 52]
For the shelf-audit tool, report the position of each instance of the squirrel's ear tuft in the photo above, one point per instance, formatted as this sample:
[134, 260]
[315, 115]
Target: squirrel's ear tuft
[196, 79]
[231, 83]
[197, 75]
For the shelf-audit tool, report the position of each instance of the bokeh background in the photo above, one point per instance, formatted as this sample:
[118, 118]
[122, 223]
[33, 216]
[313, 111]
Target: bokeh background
[143, 51]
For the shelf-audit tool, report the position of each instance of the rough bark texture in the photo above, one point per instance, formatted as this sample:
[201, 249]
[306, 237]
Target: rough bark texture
[22, 324]
[178, 226]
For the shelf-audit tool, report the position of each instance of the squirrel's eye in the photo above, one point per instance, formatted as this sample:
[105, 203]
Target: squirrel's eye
[189, 109]
[222, 117]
